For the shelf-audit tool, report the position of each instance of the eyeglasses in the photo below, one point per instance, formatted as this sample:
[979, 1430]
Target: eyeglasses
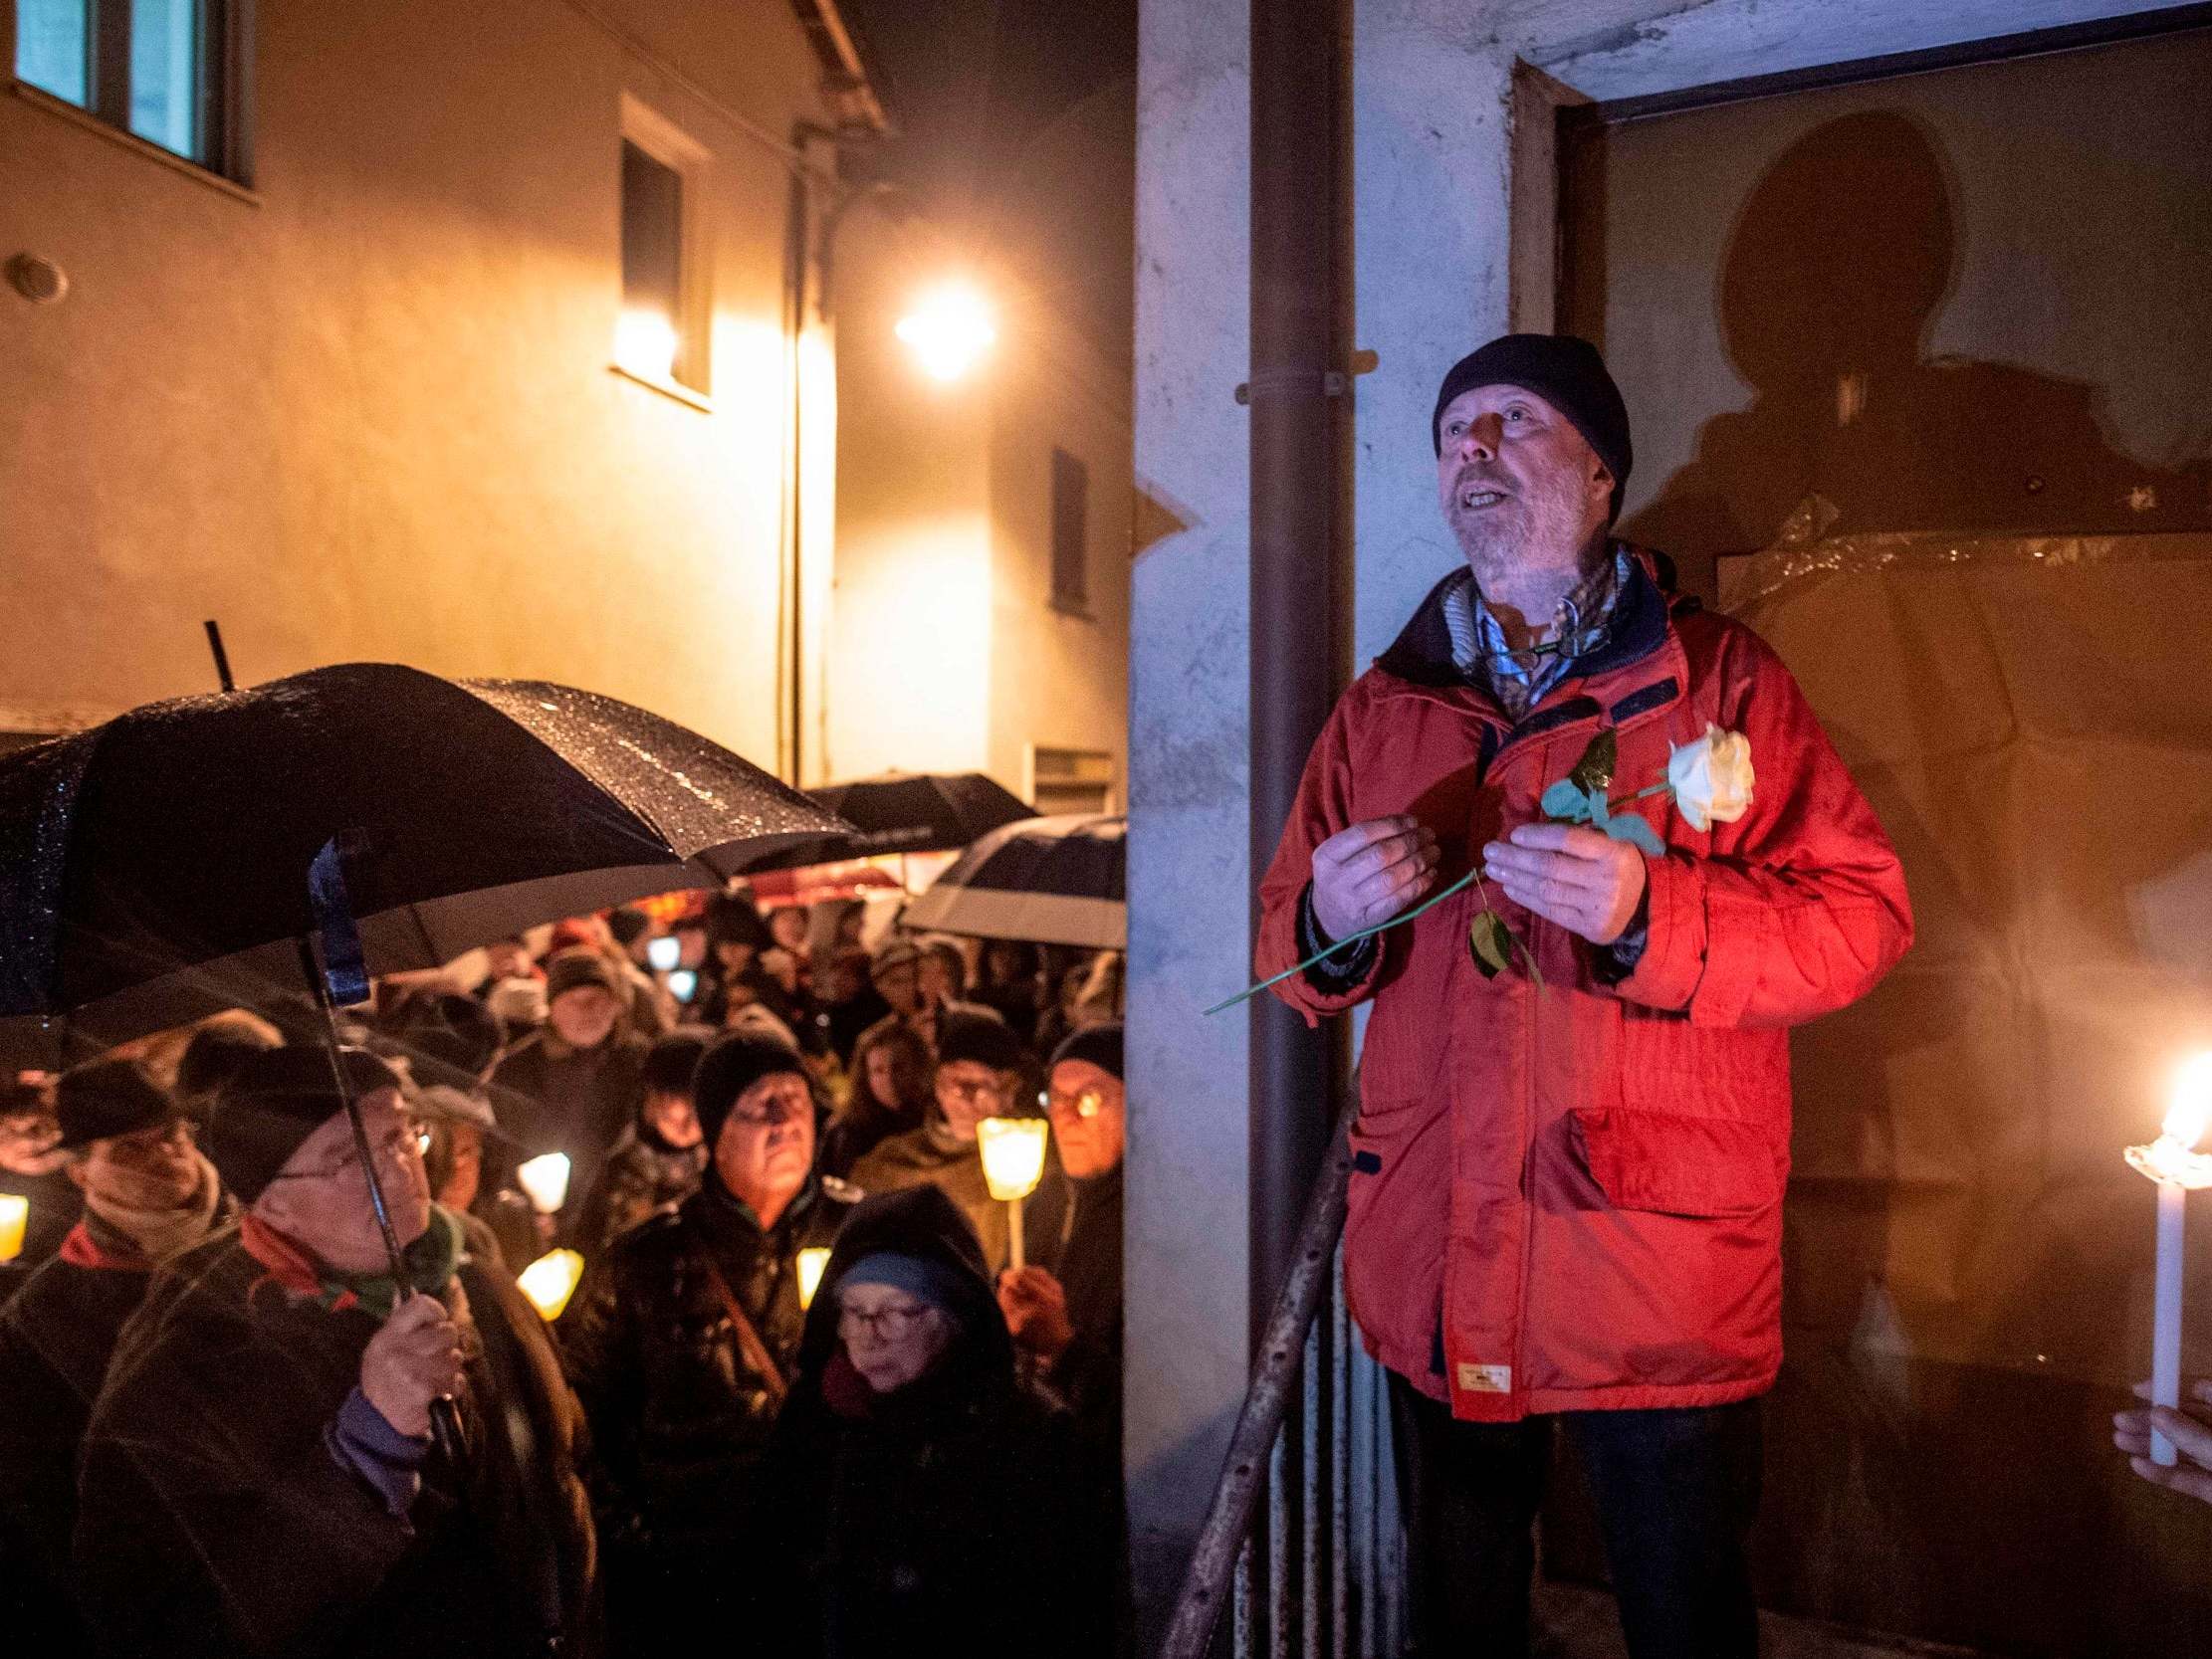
[1084, 1102]
[963, 1089]
[391, 1149]
[885, 1325]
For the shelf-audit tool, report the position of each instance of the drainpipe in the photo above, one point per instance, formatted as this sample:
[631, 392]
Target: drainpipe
[1297, 653]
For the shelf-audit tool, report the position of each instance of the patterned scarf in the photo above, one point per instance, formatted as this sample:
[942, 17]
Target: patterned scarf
[430, 1263]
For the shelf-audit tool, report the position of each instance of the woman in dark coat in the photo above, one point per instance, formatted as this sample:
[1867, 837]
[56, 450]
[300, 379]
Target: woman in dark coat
[920, 1495]
[887, 1092]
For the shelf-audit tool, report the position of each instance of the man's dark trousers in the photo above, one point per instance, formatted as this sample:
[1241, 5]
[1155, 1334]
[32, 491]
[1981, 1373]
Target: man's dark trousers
[1677, 1491]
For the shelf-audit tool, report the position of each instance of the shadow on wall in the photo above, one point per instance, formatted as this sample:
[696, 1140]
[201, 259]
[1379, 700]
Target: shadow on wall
[1836, 270]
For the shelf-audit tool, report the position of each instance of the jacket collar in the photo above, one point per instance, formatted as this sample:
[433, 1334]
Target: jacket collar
[1422, 653]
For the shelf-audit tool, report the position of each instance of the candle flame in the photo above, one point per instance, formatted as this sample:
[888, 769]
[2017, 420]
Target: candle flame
[2192, 1101]
[550, 1280]
[15, 1211]
[811, 1261]
[1013, 1154]
[545, 1180]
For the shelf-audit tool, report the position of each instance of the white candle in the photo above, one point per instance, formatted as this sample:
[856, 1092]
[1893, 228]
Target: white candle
[2165, 1335]
[545, 1180]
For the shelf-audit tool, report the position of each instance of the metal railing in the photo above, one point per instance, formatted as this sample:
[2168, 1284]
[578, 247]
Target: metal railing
[1302, 1544]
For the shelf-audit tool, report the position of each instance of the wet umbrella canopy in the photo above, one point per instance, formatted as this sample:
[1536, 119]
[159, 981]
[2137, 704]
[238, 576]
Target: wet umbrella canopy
[1057, 881]
[155, 869]
[906, 813]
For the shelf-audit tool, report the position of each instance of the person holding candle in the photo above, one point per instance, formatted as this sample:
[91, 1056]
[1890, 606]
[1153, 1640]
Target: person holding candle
[260, 1474]
[149, 1194]
[1566, 1192]
[681, 1338]
[2188, 1427]
[917, 1493]
[983, 1071]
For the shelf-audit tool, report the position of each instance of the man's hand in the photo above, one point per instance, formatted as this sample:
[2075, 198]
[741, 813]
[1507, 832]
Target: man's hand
[414, 1360]
[1582, 879]
[2192, 1474]
[1367, 873]
[1037, 1312]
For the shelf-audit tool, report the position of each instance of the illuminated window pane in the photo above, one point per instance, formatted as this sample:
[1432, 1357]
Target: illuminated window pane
[164, 77]
[649, 337]
[52, 47]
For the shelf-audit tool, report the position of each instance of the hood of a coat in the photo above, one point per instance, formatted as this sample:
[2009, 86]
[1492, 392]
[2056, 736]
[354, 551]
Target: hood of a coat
[919, 1221]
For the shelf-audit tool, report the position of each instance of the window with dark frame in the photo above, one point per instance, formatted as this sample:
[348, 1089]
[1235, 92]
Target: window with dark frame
[155, 69]
[1070, 512]
[652, 332]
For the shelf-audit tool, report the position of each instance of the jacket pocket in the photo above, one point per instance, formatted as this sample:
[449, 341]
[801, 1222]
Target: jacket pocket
[1676, 1165]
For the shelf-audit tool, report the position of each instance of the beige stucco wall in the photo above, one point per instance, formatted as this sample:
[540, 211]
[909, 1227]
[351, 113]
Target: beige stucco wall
[369, 413]
[945, 651]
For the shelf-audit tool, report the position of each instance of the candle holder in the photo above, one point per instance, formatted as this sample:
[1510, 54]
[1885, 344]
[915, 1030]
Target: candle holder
[15, 1216]
[550, 1280]
[2173, 1161]
[544, 1181]
[1013, 1151]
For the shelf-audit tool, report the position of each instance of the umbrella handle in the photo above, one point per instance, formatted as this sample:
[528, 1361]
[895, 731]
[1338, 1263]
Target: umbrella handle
[445, 1421]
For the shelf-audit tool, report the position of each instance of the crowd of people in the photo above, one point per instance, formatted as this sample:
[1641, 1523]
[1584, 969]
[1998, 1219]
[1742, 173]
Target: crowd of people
[800, 1390]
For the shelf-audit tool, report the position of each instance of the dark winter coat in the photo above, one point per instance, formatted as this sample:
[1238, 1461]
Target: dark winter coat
[55, 1337]
[642, 1175]
[678, 1414]
[215, 1520]
[550, 1097]
[955, 1515]
[1088, 1265]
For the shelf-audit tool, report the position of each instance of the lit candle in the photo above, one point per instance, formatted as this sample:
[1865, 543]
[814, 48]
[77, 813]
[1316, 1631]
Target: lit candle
[15, 1212]
[1013, 1162]
[811, 1261]
[550, 1280]
[546, 1180]
[2173, 1161]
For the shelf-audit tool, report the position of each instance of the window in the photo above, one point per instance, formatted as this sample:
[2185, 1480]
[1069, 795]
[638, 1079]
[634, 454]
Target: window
[1072, 589]
[661, 334]
[153, 68]
[1071, 781]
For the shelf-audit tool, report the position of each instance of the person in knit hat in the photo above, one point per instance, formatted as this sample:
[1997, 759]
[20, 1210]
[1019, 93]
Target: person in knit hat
[983, 1070]
[149, 1194]
[571, 1086]
[681, 1339]
[1064, 1307]
[260, 1474]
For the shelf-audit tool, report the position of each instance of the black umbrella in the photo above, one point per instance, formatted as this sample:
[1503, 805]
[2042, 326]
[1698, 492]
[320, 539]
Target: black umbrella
[906, 813]
[1053, 881]
[155, 869]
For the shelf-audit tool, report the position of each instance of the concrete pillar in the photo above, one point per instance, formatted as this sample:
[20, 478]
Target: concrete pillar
[1189, 880]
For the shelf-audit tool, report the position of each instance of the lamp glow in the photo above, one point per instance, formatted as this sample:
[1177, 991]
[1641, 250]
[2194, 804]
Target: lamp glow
[645, 343]
[15, 1215]
[811, 1261]
[545, 1180]
[948, 331]
[550, 1280]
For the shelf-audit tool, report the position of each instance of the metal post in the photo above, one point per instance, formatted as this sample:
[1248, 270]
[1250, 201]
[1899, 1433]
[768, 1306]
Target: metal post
[1296, 650]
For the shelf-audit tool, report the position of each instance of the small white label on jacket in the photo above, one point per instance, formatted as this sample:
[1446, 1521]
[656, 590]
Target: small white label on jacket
[1487, 1380]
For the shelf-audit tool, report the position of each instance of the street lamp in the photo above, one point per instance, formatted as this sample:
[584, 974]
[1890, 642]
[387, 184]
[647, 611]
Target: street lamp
[948, 331]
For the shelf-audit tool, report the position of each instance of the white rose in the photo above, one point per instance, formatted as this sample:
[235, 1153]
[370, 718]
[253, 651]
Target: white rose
[1711, 778]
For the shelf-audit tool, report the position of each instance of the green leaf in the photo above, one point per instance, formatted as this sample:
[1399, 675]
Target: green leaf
[1490, 942]
[1565, 803]
[1637, 832]
[1593, 774]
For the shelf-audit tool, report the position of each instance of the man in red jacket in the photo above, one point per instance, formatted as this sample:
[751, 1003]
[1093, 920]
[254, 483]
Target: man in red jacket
[1566, 1200]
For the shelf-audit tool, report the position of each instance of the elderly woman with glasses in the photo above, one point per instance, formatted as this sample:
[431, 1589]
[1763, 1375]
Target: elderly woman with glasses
[919, 1496]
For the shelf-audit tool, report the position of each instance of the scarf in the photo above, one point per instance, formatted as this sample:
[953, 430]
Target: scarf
[430, 1262]
[117, 1235]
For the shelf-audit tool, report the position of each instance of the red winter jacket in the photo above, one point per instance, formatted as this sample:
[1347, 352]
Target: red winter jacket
[1570, 1199]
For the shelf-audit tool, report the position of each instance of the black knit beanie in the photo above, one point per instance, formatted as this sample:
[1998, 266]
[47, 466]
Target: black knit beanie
[274, 1102]
[979, 1035]
[737, 1061]
[1567, 374]
[102, 1099]
[1098, 1044]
